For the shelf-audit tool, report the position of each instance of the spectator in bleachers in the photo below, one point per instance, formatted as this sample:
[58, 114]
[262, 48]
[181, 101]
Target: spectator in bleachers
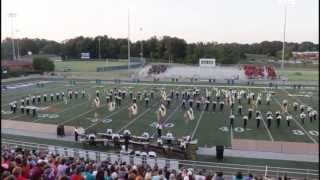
[238, 176]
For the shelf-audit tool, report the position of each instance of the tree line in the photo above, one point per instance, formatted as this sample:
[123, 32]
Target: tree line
[165, 47]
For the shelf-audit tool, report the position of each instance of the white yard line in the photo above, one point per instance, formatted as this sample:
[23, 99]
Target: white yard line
[292, 96]
[269, 133]
[193, 85]
[265, 126]
[197, 125]
[66, 109]
[136, 118]
[113, 113]
[133, 120]
[301, 127]
[171, 114]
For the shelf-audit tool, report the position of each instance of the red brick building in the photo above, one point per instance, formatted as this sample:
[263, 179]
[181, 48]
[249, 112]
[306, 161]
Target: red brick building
[16, 65]
[306, 56]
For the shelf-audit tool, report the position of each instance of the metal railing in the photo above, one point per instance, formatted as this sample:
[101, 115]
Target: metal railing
[226, 168]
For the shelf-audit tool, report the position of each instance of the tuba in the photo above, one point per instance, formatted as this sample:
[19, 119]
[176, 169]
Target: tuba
[133, 110]
[189, 114]
[97, 102]
[111, 106]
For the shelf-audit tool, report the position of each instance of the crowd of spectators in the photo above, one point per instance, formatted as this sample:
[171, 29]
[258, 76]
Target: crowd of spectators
[157, 69]
[22, 164]
[271, 72]
[252, 71]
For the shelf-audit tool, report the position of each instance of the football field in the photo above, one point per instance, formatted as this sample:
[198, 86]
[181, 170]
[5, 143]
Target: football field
[209, 127]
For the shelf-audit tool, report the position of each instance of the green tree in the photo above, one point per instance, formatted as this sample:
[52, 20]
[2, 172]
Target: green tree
[43, 64]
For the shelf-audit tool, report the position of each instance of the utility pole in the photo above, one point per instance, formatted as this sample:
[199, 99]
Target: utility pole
[128, 38]
[141, 54]
[12, 15]
[99, 39]
[18, 57]
[284, 33]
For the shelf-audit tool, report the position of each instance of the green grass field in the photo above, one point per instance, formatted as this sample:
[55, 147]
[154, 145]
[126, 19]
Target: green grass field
[299, 74]
[208, 127]
[86, 66]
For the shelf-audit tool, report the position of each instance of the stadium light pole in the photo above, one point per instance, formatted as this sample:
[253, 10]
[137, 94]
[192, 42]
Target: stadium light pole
[286, 3]
[12, 15]
[99, 39]
[18, 51]
[128, 38]
[141, 54]
[284, 32]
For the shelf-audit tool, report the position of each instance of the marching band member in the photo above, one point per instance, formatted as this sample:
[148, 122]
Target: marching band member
[62, 95]
[177, 94]
[240, 110]
[309, 109]
[207, 102]
[295, 106]
[51, 96]
[139, 95]
[259, 99]
[310, 114]
[248, 99]
[221, 105]
[288, 118]
[277, 113]
[57, 96]
[159, 129]
[97, 93]
[258, 118]
[314, 115]
[183, 104]
[22, 102]
[302, 117]
[146, 99]
[76, 94]
[214, 104]
[231, 117]
[168, 102]
[22, 109]
[45, 97]
[250, 110]
[14, 107]
[27, 101]
[285, 105]
[190, 102]
[70, 94]
[269, 118]
[39, 99]
[134, 100]
[245, 120]
[268, 98]
[130, 94]
[76, 134]
[258, 113]
[33, 111]
[198, 104]
[278, 118]
[301, 108]
[33, 99]
[83, 92]
[239, 99]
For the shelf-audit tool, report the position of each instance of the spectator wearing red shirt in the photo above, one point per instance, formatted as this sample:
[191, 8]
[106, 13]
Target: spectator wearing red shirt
[17, 172]
[77, 175]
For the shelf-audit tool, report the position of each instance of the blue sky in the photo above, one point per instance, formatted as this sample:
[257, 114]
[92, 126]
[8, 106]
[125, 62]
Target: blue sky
[242, 21]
